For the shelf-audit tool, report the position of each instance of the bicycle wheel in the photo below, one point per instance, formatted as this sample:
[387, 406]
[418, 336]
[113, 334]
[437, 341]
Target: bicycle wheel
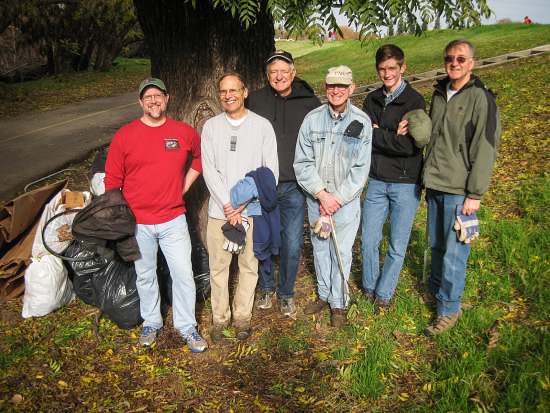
[57, 235]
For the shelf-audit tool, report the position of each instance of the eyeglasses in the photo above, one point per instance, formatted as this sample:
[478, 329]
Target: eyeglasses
[148, 98]
[459, 59]
[230, 92]
[340, 87]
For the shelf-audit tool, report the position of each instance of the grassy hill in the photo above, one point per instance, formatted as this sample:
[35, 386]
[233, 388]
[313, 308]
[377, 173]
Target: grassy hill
[422, 53]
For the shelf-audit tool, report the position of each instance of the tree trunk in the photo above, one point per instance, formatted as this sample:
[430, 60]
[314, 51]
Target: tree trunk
[190, 49]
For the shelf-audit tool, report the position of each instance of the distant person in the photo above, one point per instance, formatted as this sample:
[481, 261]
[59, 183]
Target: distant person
[234, 143]
[457, 172]
[329, 35]
[285, 101]
[147, 160]
[332, 165]
[394, 179]
[527, 20]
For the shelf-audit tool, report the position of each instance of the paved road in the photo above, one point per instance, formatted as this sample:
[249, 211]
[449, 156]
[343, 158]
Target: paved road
[37, 144]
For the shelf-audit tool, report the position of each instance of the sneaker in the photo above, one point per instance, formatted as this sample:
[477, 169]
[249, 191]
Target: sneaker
[338, 317]
[265, 300]
[315, 307]
[428, 299]
[196, 343]
[243, 329]
[442, 324]
[381, 306]
[216, 334]
[288, 308]
[148, 337]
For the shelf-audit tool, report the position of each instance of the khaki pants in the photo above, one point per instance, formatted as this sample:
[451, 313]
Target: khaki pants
[219, 260]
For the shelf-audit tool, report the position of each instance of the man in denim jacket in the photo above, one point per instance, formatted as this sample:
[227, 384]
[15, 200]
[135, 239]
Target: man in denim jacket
[332, 163]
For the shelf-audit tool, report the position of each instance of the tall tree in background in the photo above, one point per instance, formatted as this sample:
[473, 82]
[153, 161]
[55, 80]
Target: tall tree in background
[69, 32]
[193, 42]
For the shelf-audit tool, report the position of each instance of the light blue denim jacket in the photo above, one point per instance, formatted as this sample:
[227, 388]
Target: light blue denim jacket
[327, 159]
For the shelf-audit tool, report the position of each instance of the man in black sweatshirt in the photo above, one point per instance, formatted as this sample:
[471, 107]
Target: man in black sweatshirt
[285, 101]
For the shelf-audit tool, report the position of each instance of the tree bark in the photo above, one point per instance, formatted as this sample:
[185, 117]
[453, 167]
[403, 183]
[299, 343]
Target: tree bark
[190, 49]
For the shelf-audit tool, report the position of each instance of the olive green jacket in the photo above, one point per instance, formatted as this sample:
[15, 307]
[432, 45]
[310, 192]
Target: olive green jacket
[464, 142]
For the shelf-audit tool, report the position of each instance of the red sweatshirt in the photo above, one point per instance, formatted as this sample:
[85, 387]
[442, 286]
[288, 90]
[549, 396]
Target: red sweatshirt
[148, 163]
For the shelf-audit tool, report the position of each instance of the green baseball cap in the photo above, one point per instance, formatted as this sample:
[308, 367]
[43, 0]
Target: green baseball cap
[420, 126]
[152, 82]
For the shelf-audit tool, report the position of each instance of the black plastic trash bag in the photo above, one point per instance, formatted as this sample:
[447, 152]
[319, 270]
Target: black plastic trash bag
[201, 269]
[108, 285]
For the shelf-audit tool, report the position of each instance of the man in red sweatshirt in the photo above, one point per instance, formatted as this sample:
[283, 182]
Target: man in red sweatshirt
[147, 161]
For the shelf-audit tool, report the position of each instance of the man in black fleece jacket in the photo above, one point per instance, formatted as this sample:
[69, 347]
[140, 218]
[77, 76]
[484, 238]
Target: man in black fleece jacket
[285, 101]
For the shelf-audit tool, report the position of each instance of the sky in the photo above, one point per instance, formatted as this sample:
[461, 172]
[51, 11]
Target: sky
[537, 10]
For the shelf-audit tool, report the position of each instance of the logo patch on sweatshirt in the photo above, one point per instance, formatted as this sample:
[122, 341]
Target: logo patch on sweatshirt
[171, 144]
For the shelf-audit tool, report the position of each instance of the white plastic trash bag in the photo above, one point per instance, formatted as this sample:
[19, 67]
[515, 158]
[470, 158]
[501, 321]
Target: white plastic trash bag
[97, 186]
[47, 287]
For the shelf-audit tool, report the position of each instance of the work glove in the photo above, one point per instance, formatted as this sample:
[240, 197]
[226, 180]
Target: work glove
[230, 246]
[233, 247]
[322, 227]
[466, 226]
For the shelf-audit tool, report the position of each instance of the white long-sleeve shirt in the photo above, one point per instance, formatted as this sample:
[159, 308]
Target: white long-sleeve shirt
[230, 152]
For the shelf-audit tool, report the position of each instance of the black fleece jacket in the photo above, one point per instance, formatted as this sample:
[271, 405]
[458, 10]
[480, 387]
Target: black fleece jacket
[395, 158]
[286, 115]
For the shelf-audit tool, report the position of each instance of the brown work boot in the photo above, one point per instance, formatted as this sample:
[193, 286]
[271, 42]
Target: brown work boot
[243, 329]
[428, 299]
[315, 307]
[338, 317]
[442, 324]
[216, 334]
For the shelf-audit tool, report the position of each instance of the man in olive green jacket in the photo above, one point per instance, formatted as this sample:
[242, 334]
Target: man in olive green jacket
[457, 171]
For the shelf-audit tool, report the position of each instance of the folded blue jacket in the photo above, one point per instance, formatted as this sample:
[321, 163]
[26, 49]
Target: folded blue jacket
[267, 226]
[244, 190]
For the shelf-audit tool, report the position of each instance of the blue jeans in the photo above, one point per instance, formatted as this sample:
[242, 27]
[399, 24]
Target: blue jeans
[173, 238]
[449, 256]
[292, 207]
[401, 202]
[329, 278]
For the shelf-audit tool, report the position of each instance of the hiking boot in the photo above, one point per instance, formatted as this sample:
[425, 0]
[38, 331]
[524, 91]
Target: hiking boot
[442, 324]
[243, 329]
[428, 299]
[196, 343]
[265, 300]
[381, 306]
[369, 297]
[315, 307]
[338, 317]
[216, 334]
[288, 308]
[148, 337]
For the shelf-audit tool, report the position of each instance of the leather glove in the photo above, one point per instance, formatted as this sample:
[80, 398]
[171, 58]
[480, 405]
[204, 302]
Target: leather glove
[466, 226]
[322, 226]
